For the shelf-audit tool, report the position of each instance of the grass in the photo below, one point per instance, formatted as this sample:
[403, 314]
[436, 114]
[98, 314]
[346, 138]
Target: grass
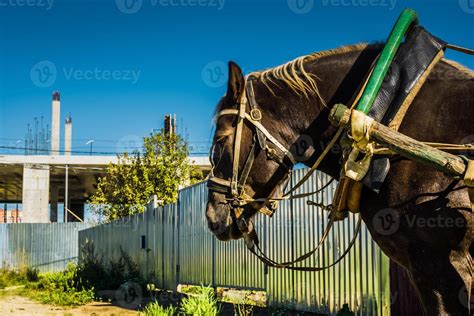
[203, 302]
[60, 288]
[155, 309]
[22, 276]
[200, 301]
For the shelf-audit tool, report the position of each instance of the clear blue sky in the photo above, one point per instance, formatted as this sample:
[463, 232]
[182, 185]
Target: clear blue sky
[96, 50]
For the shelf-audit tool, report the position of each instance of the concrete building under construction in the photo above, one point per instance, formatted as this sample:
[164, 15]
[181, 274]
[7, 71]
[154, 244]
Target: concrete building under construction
[42, 179]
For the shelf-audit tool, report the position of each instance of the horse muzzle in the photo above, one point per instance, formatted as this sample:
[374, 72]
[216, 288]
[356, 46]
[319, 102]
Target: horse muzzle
[221, 218]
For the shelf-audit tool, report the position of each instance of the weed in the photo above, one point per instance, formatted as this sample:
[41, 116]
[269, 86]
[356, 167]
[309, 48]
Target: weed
[17, 277]
[155, 309]
[203, 302]
[243, 308]
[106, 278]
[62, 288]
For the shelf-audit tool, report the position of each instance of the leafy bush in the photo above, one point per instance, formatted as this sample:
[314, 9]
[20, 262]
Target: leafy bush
[203, 302]
[95, 274]
[17, 277]
[32, 274]
[155, 309]
[91, 268]
[63, 288]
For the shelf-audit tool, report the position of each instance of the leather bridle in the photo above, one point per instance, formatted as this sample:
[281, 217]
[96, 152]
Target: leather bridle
[234, 189]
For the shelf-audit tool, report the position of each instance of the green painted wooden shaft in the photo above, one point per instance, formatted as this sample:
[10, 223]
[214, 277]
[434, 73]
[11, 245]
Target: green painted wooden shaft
[406, 146]
[406, 19]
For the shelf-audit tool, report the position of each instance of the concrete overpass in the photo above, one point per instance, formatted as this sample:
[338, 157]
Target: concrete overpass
[39, 181]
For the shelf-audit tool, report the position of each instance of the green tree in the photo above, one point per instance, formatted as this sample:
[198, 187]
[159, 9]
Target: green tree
[161, 169]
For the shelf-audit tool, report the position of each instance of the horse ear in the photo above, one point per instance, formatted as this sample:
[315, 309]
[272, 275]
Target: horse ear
[235, 84]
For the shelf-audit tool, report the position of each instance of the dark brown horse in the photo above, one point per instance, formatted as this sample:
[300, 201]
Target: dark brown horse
[434, 238]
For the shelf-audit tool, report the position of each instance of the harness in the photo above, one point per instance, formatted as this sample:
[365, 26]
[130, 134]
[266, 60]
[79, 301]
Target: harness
[235, 188]
[354, 170]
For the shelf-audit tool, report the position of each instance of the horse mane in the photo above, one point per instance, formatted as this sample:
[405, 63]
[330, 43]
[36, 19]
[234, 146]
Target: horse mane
[294, 74]
[463, 70]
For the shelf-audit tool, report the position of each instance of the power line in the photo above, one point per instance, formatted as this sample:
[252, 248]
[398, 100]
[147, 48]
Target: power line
[88, 152]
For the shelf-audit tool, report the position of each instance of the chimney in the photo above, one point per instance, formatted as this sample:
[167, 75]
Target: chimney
[68, 136]
[55, 127]
[170, 124]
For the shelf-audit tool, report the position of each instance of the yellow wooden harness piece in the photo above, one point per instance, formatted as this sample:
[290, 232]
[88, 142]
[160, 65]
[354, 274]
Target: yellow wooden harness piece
[469, 181]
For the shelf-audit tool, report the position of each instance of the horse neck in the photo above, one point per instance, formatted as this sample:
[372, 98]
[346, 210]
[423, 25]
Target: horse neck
[339, 77]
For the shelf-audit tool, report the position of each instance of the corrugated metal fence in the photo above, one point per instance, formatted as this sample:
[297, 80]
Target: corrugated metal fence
[47, 247]
[180, 249]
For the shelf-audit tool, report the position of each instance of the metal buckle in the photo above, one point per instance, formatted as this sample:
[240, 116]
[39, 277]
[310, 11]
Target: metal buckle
[255, 114]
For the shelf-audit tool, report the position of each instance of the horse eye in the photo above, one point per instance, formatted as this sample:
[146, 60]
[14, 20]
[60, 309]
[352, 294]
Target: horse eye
[221, 139]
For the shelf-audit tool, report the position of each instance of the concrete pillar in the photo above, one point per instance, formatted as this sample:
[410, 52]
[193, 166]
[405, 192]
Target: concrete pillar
[68, 136]
[55, 127]
[54, 204]
[78, 209]
[35, 193]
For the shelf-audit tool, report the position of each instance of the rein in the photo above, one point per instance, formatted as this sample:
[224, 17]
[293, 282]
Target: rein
[235, 187]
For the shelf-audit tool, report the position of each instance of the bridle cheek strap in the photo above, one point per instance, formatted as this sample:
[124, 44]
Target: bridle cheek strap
[237, 184]
[238, 139]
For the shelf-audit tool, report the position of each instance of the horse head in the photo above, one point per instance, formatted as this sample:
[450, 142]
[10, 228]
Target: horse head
[252, 154]
[266, 123]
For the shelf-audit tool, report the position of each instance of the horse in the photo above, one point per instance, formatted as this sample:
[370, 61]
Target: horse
[295, 100]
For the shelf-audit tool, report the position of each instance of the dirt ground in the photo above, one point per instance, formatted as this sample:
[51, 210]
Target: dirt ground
[18, 305]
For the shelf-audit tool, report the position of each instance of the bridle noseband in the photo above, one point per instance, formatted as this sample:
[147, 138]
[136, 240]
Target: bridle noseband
[234, 188]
